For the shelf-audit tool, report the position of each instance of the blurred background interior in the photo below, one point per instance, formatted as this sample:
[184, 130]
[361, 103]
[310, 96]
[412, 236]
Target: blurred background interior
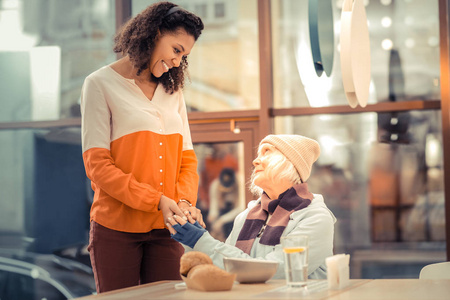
[252, 72]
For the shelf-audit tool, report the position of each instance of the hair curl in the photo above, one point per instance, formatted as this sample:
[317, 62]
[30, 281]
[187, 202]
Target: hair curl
[137, 39]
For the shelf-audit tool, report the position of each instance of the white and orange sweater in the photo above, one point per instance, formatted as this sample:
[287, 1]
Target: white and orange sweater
[135, 150]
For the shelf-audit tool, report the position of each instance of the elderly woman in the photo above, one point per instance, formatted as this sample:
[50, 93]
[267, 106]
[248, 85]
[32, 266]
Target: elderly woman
[285, 207]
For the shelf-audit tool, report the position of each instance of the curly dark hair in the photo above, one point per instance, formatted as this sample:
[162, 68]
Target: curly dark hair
[137, 39]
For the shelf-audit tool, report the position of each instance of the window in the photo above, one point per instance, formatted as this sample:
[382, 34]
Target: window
[47, 49]
[201, 10]
[219, 10]
[24, 287]
[224, 63]
[404, 47]
[380, 171]
[222, 185]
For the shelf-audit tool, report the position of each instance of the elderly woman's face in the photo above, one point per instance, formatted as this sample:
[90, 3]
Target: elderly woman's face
[169, 51]
[261, 176]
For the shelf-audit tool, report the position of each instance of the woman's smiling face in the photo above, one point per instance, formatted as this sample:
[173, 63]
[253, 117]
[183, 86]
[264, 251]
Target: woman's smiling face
[169, 51]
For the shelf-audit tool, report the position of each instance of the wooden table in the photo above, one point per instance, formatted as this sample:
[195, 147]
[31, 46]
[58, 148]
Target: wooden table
[358, 289]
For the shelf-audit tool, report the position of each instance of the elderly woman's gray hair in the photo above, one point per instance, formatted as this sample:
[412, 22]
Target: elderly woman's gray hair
[292, 160]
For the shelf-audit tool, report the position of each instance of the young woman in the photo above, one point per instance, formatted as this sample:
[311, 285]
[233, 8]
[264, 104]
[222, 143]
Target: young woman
[285, 207]
[137, 149]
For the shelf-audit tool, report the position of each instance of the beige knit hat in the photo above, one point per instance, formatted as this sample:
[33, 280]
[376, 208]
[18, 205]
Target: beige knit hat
[301, 151]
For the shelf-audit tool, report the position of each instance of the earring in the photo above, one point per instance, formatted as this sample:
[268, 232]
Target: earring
[171, 79]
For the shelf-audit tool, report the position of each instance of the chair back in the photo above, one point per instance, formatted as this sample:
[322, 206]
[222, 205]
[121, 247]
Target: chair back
[436, 271]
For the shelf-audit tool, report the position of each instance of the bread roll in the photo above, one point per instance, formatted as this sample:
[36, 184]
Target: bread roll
[192, 259]
[209, 277]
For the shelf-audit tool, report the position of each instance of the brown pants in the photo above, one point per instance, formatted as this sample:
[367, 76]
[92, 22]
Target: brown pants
[122, 259]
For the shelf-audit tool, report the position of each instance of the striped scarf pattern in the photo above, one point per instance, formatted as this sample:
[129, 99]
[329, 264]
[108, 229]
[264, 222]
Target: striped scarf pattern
[293, 199]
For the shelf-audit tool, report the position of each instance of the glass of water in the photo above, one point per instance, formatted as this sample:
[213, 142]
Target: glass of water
[295, 248]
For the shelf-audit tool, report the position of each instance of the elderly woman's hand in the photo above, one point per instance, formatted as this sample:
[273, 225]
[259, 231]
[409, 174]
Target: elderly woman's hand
[192, 211]
[187, 233]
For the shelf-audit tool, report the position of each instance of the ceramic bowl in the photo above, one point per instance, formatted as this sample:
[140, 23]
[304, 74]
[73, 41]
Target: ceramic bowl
[250, 270]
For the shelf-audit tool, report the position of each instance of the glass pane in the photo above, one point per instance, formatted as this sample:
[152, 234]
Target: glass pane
[44, 193]
[224, 63]
[221, 194]
[25, 287]
[404, 48]
[382, 177]
[47, 49]
[45, 198]
[43, 179]
[39, 276]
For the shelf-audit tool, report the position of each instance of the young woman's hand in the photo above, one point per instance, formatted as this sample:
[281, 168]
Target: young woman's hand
[170, 208]
[192, 211]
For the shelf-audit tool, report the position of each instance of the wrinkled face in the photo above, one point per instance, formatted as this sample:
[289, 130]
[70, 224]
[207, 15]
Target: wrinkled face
[261, 175]
[169, 51]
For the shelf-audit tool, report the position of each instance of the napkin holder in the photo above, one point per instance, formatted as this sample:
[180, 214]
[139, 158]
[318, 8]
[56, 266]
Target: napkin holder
[338, 272]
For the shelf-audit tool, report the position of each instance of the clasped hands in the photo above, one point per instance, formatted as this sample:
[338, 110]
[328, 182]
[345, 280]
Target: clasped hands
[186, 232]
[184, 222]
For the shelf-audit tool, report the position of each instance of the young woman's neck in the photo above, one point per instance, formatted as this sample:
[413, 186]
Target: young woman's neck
[129, 71]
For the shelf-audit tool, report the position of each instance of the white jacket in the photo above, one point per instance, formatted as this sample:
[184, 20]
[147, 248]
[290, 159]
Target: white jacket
[316, 221]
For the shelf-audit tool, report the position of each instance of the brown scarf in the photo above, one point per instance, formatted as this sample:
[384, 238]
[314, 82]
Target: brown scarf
[293, 199]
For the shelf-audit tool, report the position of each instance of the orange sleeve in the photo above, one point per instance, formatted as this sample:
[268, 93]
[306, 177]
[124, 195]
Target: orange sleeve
[101, 170]
[187, 186]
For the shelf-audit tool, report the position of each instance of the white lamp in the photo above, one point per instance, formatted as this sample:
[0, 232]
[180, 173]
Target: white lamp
[355, 52]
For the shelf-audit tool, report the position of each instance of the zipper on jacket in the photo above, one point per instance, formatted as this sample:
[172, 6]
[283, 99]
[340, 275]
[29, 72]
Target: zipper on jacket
[264, 226]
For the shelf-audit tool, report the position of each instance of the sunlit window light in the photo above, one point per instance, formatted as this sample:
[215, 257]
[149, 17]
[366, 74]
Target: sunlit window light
[409, 20]
[337, 27]
[329, 141]
[436, 81]
[325, 117]
[45, 65]
[9, 4]
[333, 150]
[432, 151]
[433, 41]
[386, 2]
[11, 31]
[410, 43]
